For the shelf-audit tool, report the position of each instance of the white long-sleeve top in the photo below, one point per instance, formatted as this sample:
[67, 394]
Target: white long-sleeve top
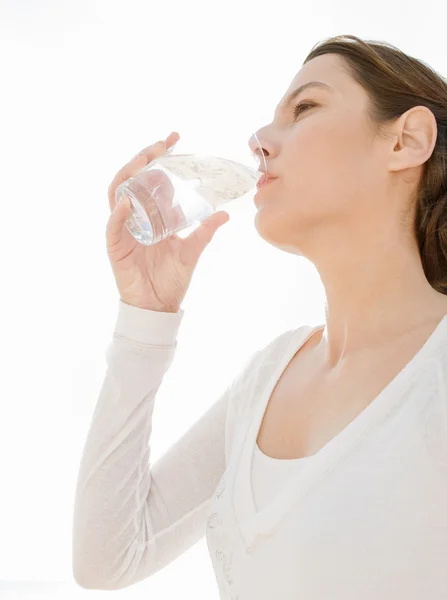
[365, 517]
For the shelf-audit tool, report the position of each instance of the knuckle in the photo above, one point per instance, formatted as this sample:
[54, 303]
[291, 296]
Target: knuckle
[149, 151]
[157, 148]
[137, 156]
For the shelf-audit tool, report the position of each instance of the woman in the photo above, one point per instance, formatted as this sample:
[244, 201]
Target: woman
[322, 471]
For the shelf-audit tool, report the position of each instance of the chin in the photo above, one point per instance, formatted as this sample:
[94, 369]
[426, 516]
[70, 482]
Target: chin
[271, 228]
[277, 229]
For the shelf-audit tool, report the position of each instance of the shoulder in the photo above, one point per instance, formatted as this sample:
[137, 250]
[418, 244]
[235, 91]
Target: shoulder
[273, 350]
[259, 366]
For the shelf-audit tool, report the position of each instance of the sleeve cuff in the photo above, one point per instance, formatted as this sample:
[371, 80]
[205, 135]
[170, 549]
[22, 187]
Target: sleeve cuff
[147, 326]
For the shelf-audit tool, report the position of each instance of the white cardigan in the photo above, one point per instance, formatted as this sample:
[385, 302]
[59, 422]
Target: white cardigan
[362, 519]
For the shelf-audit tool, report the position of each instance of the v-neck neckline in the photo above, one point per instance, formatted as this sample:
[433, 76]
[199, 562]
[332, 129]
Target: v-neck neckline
[255, 524]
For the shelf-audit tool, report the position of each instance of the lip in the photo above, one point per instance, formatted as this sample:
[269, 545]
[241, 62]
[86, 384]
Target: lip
[264, 180]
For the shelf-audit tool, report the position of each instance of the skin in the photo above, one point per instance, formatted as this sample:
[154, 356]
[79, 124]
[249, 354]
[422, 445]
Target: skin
[343, 200]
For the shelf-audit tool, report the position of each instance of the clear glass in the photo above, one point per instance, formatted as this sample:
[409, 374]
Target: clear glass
[177, 191]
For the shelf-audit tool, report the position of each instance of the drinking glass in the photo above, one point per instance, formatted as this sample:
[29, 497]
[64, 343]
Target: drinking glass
[180, 190]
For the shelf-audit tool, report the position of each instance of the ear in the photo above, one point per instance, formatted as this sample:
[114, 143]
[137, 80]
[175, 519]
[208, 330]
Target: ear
[415, 134]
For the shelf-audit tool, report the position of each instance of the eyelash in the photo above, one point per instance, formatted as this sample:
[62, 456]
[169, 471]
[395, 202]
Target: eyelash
[297, 108]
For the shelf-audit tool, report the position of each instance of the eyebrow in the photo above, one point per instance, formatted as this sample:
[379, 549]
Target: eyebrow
[291, 97]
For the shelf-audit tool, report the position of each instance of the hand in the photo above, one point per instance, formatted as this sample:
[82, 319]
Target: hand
[154, 277]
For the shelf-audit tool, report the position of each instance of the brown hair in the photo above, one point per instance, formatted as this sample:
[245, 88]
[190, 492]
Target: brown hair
[395, 82]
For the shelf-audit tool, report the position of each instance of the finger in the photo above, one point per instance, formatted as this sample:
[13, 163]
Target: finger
[203, 235]
[115, 229]
[165, 197]
[139, 161]
[172, 139]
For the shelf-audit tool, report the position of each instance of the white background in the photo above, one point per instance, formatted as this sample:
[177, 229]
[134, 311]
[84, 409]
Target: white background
[85, 85]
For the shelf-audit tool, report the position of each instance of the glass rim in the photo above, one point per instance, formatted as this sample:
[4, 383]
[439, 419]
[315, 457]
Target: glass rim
[233, 153]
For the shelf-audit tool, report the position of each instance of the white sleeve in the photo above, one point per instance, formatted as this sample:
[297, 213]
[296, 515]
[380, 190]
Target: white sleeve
[132, 518]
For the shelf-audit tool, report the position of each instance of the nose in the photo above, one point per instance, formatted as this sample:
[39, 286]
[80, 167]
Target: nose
[259, 151]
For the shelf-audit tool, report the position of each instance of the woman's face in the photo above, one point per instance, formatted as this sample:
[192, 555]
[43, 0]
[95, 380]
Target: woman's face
[329, 162]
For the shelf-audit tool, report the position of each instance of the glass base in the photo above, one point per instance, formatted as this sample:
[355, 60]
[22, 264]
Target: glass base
[148, 225]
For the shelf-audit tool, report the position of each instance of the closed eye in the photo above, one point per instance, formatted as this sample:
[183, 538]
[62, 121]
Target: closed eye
[301, 107]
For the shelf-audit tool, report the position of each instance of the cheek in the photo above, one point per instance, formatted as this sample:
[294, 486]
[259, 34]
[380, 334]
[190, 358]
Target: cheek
[327, 160]
[328, 175]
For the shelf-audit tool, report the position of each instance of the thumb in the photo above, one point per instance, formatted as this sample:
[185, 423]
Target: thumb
[115, 225]
[203, 235]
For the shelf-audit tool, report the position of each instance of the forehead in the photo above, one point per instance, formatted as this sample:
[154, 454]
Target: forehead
[328, 68]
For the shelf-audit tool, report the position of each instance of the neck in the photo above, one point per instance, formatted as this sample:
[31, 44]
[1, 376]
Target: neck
[374, 294]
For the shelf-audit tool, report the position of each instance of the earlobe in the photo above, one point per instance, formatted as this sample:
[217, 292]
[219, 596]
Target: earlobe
[415, 139]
